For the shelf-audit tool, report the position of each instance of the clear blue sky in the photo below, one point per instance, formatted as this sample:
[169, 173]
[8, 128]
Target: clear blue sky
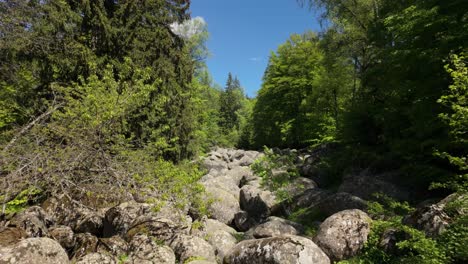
[244, 32]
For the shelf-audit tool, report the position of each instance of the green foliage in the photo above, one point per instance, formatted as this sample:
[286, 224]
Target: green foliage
[303, 93]
[276, 171]
[457, 119]
[410, 246]
[384, 207]
[187, 261]
[454, 239]
[308, 217]
[22, 201]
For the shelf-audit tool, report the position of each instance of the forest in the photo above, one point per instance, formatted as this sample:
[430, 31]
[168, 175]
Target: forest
[105, 99]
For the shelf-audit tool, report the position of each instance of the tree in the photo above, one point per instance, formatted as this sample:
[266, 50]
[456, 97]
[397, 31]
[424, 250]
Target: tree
[230, 102]
[302, 93]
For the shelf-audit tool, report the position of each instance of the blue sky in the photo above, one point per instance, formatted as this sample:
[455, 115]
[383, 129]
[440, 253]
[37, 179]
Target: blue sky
[244, 32]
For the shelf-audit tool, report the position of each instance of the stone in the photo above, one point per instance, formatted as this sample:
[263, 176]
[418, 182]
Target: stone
[224, 205]
[342, 235]
[115, 246]
[34, 251]
[277, 250]
[34, 221]
[97, 258]
[144, 250]
[11, 235]
[366, 184]
[161, 229]
[258, 203]
[433, 219]
[339, 202]
[64, 235]
[219, 235]
[118, 219]
[275, 226]
[79, 218]
[187, 247]
[85, 243]
[243, 222]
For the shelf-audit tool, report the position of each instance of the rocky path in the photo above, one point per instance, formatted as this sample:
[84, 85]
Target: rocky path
[245, 224]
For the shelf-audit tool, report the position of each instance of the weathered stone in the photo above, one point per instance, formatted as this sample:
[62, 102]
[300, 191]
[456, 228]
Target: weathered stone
[79, 218]
[115, 246]
[219, 235]
[257, 202]
[340, 201]
[11, 235]
[365, 185]
[85, 243]
[187, 247]
[298, 185]
[64, 235]
[34, 251]
[224, 205]
[144, 250]
[343, 234]
[161, 229]
[433, 219]
[97, 258]
[243, 222]
[275, 226]
[34, 221]
[225, 183]
[119, 218]
[277, 250]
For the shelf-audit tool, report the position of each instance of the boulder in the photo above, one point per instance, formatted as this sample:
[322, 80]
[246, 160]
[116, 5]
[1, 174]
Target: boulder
[343, 234]
[64, 235]
[243, 222]
[213, 163]
[79, 218]
[11, 235]
[277, 250]
[85, 243]
[97, 258]
[223, 182]
[34, 221]
[258, 203]
[219, 235]
[433, 219]
[224, 205]
[119, 218]
[275, 226]
[34, 251]
[341, 201]
[144, 250]
[308, 199]
[161, 229]
[188, 247]
[365, 185]
[115, 246]
[298, 185]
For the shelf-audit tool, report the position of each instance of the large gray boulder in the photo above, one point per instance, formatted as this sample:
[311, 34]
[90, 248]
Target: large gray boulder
[34, 251]
[97, 258]
[219, 235]
[277, 250]
[81, 219]
[115, 246]
[158, 228]
[225, 183]
[433, 219]
[64, 235]
[144, 250]
[34, 221]
[275, 226]
[243, 221]
[85, 243]
[366, 184]
[343, 234]
[224, 205]
[11, 235]
[258, 203]
[120, 218]
[192, 247]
